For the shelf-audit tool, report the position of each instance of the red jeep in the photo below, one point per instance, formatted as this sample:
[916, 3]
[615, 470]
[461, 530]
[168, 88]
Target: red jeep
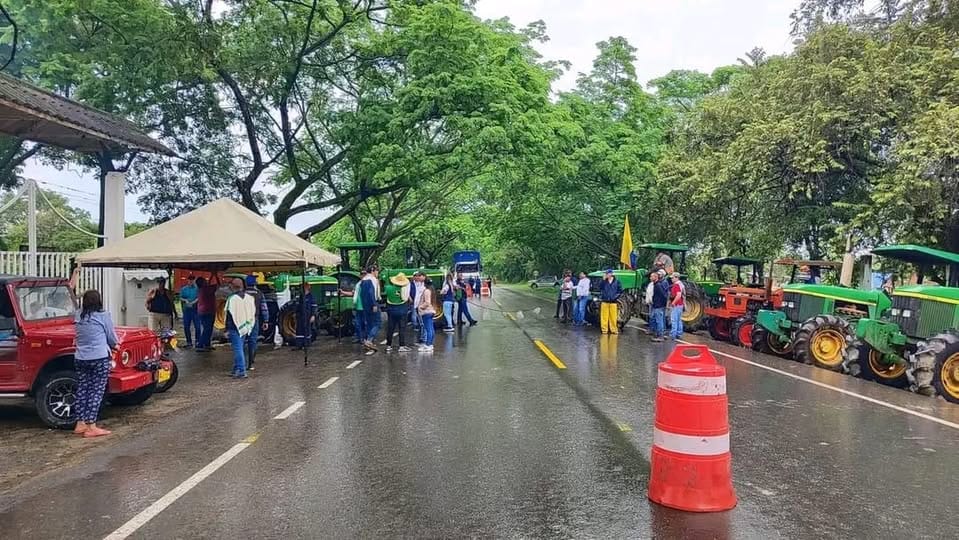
[37, 344]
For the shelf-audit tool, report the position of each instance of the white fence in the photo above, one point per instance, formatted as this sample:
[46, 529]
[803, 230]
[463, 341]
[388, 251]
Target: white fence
[50, 265]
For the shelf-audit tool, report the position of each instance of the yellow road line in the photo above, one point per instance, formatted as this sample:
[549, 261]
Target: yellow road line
[549, 354]
[252, 438]
[623, 426]
[510, 317]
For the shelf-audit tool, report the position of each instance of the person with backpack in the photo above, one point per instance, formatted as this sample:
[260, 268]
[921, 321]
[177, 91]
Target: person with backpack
[159, 303]
[397, 293]
[677, 302]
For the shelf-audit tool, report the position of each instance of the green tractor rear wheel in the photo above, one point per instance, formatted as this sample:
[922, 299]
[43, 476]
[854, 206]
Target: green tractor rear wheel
[694, 311]
[821, 340]
[861, 360]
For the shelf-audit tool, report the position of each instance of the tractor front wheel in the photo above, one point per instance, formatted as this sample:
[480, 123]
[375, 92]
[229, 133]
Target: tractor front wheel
[766, 342]
[741, 332]
[821, 340]
[940, 355]
[718, 328]
[624, 311]
[861, 360]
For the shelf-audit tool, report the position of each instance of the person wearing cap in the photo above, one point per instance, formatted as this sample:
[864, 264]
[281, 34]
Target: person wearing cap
[262, 320]
[609, 292]
[677, 303]
[189, 296]
[657, 312]
[397, 293]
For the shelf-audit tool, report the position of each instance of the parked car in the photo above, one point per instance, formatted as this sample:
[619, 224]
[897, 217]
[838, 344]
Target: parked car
[37, 335]
[544, 281]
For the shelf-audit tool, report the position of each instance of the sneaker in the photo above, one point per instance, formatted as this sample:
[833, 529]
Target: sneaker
[422, 348]
[448, 330]
[251, 368]
[383, 342]
[657, 339]
[428, 349]
[474, 323]
[404, 348]
[389, 348]
[369, 353]
[369, 346]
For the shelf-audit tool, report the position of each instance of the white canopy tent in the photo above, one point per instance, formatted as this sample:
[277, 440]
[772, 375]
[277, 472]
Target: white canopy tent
[223, 235]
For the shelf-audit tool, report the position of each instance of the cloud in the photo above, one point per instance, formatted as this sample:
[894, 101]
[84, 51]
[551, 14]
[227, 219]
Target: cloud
[675, 34]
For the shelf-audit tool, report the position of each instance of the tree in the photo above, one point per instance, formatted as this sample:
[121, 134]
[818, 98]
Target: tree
[53, 234]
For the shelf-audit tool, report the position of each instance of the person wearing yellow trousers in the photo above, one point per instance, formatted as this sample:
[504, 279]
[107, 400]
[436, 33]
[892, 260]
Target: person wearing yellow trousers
[609, 292]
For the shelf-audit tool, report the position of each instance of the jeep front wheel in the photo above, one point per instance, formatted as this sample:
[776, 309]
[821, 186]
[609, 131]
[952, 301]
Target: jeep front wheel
[55, 399]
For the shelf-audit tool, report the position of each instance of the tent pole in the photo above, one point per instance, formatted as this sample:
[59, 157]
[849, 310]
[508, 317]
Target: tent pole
[309, 327]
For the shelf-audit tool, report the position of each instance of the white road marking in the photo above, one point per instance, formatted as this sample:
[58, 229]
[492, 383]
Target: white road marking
[328, 382]
[289, 410]
[354, 364]
[924, 416]
[162, 503]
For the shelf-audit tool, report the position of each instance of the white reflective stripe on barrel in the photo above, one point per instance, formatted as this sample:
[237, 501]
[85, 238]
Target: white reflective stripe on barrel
[692, 385]
[692, 445]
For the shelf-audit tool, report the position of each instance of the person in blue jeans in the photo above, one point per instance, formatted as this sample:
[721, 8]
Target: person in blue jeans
[369, 291]
[262, 321]
[582, 298]
[677, 303]
[448, 293]
[462, 302]
[657, 312]
[189, 296]
[427, 311]
[240, 320]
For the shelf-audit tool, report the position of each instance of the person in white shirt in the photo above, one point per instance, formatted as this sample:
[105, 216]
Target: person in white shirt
[566, 298]
[582, 298]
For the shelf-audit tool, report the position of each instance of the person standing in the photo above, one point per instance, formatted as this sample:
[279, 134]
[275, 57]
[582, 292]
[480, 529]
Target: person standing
[566, 297]
[462, 302]
[262, 320]
[206, 312]
[305, 317]
[96, 340]
[609, 292]
[448, 293]
[240, 320]
[427, 313]
[677, 303]
[369, 297]
[416, 289]
[159, 305]
[397, 294]
[657, 312]
[582, 298]
[189, 295]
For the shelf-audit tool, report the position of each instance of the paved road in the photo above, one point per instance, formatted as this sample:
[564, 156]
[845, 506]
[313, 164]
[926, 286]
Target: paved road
[488, 438]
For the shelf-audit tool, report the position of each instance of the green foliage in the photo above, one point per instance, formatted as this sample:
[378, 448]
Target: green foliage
[52, 233]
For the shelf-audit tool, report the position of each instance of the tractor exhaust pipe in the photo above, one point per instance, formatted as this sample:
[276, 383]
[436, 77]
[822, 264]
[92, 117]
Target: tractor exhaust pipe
[848, 263]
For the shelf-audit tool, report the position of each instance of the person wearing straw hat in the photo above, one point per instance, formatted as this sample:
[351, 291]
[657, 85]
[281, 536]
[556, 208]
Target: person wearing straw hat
[397, 293]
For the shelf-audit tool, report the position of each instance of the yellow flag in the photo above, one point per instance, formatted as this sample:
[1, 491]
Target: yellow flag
[625, 253]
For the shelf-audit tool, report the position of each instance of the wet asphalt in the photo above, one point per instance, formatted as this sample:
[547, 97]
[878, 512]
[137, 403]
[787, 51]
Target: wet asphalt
[486, 438]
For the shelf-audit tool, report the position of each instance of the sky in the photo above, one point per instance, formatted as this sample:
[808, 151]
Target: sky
[669, 34]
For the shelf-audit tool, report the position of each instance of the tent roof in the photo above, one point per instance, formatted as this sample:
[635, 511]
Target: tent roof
[30, 112]
[223, 235]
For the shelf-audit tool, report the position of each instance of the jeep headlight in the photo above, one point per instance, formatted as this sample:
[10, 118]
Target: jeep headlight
[125, 358]
[907, 313]
[894, 312]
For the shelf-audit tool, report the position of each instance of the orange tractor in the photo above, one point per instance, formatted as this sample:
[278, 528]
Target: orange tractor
[731, 314]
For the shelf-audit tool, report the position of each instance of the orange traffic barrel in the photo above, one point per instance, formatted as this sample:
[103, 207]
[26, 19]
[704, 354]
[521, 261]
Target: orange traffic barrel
[691, 467]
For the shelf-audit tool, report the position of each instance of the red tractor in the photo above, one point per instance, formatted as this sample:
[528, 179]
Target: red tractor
[731, 313]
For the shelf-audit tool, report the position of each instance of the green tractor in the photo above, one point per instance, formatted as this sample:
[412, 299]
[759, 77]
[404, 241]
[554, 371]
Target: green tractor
[816, 321]
[916, 344]
[634, 287]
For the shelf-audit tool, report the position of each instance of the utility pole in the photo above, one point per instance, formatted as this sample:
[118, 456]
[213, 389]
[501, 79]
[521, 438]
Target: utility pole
[31, 227]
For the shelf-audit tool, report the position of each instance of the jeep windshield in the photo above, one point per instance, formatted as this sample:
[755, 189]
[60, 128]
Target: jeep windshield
[47, 301]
